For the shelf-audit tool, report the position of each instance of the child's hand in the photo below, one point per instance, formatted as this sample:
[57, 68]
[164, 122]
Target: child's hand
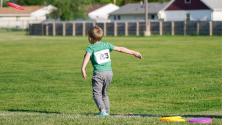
[138, 55]
[84, 75]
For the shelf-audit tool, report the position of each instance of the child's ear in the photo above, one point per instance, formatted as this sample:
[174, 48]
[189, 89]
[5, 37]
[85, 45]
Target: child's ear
[89, 39]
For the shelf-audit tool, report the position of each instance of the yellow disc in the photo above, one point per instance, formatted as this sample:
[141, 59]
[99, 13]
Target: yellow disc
[172, 119]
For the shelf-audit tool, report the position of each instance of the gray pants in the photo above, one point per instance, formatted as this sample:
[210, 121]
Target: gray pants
[100, 84]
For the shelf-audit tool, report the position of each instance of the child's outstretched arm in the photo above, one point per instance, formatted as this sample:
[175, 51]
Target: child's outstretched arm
[84, 64]
[128, 51]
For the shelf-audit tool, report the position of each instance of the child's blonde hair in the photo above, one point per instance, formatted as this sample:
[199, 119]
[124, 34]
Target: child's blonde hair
[95, 34]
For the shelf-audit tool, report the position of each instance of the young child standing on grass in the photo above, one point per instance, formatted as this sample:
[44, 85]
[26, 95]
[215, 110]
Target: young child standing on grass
[99, 54]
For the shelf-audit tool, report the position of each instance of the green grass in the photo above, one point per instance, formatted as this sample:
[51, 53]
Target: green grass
[40, 80]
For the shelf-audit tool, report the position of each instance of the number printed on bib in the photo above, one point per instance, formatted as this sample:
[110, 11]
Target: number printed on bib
[102, 56]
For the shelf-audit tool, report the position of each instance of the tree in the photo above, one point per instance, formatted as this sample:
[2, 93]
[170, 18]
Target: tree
[29, 2]
[69, 9]
[66, 9]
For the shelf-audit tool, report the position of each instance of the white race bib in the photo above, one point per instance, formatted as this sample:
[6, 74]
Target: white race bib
[102, 56]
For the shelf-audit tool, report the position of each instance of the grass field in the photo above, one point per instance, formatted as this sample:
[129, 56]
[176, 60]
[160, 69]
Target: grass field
[40, 80]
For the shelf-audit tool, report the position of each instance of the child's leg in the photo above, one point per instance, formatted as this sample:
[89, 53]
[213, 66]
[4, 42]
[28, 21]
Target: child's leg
[97, 85]
[105, 97]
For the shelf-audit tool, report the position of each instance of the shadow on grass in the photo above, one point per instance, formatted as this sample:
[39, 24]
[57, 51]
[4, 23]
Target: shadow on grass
[211, 116]
[117, 115]
[154, 115]
[32, 111]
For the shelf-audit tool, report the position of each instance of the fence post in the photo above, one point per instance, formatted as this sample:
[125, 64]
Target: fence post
[84, 28]
[105, 33]
[28, 29]
[150, 27]
[185, 27]
[198, 28]
[173, 28]
[115, 28]
[137, 28]
[42, 29]
[160, 28]
[210, 28]
[74, 28]
[64, 28]
[126, 28]
[94, 23]
[53, 29]
[46, 29]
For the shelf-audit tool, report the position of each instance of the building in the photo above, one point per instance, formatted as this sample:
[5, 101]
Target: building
[180, 10]
[101, 14]
[12, 18]
[216, 6]
[136, 11]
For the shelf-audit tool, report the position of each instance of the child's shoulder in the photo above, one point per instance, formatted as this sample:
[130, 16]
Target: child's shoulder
[100, 43]
[89, 45]
[105, 42]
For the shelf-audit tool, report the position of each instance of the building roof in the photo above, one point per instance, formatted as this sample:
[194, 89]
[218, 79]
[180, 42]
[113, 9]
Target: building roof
[27, 10]
[181, 5]
[93, 7]
[138, 8]
[102, 12]
[214, 4]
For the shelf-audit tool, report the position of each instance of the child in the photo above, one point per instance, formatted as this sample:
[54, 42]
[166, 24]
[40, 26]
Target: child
[99, 54]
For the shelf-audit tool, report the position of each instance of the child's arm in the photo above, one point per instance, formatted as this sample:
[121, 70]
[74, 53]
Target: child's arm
[128, 51]
[84, 64]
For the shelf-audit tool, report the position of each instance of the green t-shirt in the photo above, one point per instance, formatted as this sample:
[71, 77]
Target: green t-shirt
[100, 56]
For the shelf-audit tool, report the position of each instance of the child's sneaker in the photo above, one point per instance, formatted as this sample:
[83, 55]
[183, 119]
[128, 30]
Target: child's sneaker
[103, 114]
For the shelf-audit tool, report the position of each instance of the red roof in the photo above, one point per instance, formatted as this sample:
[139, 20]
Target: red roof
[27, 10]
[181, 5]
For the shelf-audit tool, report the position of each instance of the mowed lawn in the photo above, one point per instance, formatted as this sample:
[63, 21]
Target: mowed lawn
[40, 80]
